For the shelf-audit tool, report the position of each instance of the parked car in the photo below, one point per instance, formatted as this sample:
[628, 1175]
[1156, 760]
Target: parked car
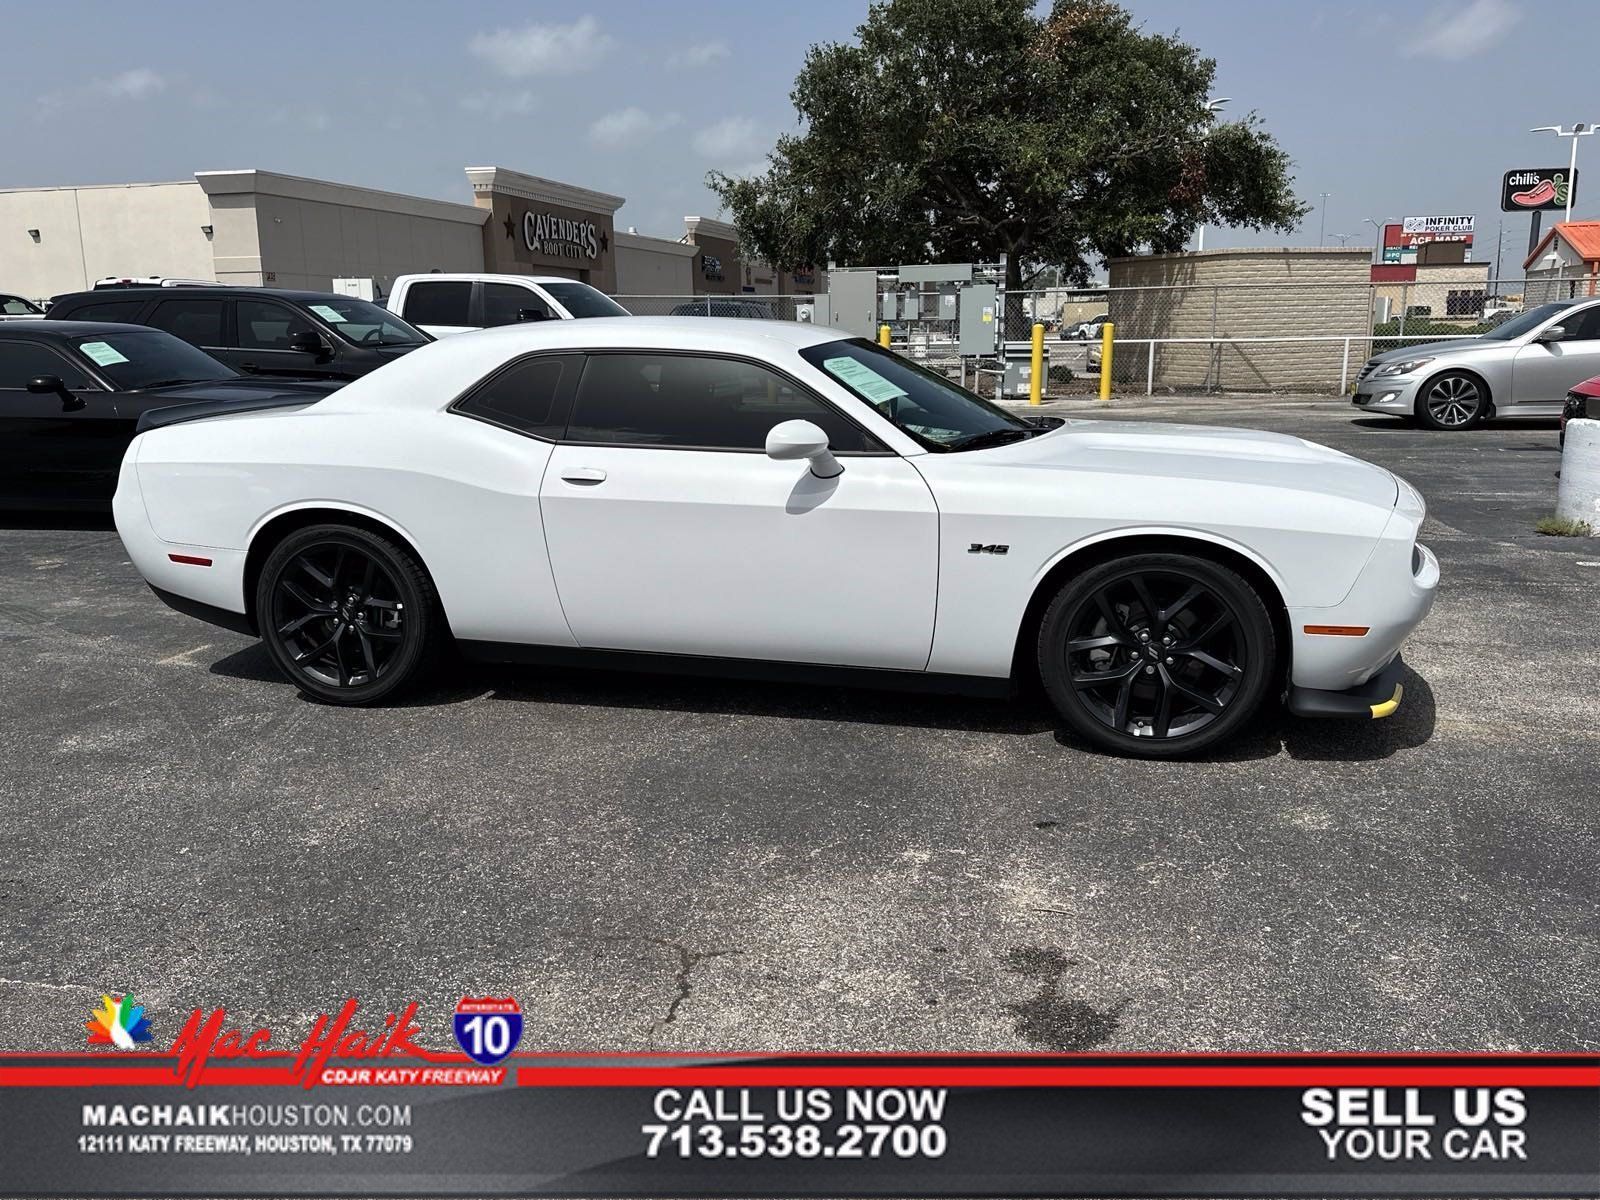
[444, 304]
[18, 308]
[774, 499]
[1521, 368]
[259, 331]
[1581, 401]
[71, 394]
[1083, 331]
[713, 306]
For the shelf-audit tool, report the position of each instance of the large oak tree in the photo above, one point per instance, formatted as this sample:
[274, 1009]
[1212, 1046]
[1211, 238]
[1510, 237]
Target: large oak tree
[960, 130]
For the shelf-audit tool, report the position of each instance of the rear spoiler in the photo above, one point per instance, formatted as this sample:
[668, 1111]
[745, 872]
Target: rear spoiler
[198, 410]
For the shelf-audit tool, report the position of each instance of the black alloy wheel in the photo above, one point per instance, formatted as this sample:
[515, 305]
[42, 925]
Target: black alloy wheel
[1452, 400]
[349, 617]
[1157, 655]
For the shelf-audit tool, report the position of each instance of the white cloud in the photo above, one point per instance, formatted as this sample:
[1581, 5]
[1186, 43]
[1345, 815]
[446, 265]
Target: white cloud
[1456, 33]
[543, 49]
[729, 138]
[133, 85]
[500, 104]
[702, 54]
[628, 125]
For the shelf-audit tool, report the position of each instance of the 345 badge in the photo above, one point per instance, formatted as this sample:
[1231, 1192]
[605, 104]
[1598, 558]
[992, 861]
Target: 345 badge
[488, 1029]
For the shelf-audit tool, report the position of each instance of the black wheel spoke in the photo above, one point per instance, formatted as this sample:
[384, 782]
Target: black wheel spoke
[1161, 726]
[322, 647]
[382, 634]
[311, 569]
[301, 622]
[366, 652]
[1096, 643]
[1119, 715]
[338, 657]
[1140, 589]
[1210, 703]
[1222, 621]
[322, 607]
[1097, 679]
[1194, 593]
[1109, 612]
[1216, 664]
[374, 602]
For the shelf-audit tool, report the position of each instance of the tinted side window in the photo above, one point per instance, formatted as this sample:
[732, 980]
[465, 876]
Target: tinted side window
[1583, 326]
[531, 396]
[268, 325]
[503, 304]
[21, 361]
[198, 322]
[106, 310]
[442, 303]
[683, 400]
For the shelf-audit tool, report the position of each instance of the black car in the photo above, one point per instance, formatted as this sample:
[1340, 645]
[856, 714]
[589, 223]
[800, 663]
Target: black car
[258, 331]
[72, 392]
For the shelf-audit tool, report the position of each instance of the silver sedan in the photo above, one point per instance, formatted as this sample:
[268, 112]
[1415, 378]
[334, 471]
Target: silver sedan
[1522, 368]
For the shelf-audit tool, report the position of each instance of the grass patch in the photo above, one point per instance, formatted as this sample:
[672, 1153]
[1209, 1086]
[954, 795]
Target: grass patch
[1560, 527]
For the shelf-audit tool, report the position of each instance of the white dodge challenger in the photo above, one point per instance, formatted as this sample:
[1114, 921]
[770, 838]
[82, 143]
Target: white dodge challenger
[766, 497]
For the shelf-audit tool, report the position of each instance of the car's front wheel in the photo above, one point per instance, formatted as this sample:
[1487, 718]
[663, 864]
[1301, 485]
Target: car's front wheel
[1157, 655]
[348, 616]
[1452, 400]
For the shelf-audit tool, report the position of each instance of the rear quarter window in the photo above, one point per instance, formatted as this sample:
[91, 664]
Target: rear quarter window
[532, 395]
[106, 310]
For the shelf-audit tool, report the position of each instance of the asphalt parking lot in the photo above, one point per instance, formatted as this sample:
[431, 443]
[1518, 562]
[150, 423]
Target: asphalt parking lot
[693, 864]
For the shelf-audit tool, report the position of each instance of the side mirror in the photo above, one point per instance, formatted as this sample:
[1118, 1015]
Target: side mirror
[308, 341]
[802, 439]
[51, 385]
[1551, 333]
[532, 314]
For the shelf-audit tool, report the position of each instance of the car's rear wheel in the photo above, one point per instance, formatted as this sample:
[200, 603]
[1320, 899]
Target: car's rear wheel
[1452, 400]
[1157, 655]
[348, 616]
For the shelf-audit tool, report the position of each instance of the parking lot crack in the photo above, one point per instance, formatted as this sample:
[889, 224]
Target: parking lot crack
[688, 960]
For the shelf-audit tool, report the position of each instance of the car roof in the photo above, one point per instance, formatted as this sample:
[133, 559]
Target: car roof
[73, 329]
[208, 290]
[433, 375]
[488, 277]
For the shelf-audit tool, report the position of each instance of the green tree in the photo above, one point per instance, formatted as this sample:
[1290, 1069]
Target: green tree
[960, 130]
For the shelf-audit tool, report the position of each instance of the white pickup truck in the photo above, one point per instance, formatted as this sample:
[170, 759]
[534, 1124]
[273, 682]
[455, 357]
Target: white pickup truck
[442, 304]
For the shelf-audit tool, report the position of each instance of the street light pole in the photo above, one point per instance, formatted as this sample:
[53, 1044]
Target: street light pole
[1212, 106]
[1581, 129]
[1377, 240]
[1322, 224]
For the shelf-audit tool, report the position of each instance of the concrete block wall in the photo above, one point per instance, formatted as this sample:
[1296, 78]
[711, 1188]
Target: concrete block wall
[1278, 292]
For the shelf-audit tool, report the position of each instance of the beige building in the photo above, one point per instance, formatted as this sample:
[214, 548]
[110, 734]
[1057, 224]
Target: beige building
[268, 229]
[1432, 291]
[1281, 292]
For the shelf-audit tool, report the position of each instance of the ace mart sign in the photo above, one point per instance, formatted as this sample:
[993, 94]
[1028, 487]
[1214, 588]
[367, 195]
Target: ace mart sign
[1536, 189]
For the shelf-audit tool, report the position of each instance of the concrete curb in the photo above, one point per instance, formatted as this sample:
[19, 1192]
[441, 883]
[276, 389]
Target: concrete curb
[1578, 498]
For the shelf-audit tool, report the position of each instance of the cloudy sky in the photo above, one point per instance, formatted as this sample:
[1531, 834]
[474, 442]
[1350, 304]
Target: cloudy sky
[1395, 108]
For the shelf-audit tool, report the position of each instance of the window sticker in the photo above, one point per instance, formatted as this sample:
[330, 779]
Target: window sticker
[102, 353]
[863, 379]
[331, 315]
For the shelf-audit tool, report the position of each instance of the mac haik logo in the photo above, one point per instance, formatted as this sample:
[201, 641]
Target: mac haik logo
[207, 1037]
[561, 237]
[118, 1022]
[488, 1029]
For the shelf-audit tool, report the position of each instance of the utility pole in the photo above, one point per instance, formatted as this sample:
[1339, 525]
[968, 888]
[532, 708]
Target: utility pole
[1322, 224]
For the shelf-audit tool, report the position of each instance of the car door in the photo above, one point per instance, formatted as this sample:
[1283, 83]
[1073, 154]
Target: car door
[670, 530]
[264, 330]
[1544, 372]
[51, 454]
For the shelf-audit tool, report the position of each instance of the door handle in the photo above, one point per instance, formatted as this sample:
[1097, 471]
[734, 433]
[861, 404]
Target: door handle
[584, 476]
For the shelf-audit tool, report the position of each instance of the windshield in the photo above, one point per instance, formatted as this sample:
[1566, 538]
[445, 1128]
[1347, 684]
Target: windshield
[16, 306]
[364, 323]
[934, 411]
[581, 300]
[1525, 321]
[149, 358]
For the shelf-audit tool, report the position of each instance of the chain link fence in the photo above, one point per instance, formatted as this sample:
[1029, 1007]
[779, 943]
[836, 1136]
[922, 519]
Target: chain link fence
[1175, 340]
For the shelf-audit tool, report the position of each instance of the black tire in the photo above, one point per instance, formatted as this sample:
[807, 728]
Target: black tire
[1452, 401]
[1159, 699]
[348, 616]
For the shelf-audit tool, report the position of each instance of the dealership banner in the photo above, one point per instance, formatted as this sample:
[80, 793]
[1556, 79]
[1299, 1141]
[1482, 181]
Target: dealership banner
[361, 1108]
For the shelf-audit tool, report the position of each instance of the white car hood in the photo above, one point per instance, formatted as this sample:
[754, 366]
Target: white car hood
[1203, 452]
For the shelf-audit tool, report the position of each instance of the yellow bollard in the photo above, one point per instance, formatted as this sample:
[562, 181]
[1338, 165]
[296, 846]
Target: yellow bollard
[1105, 359]
[1036, 376]
[883, 336]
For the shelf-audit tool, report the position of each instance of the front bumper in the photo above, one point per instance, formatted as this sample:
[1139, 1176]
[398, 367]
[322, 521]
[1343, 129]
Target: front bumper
[1396, 395]
[1378, 697]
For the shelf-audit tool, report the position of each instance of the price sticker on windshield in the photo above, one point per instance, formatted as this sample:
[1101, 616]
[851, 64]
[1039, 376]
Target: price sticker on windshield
[863, 379]
[328, 314]
[103, 353]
